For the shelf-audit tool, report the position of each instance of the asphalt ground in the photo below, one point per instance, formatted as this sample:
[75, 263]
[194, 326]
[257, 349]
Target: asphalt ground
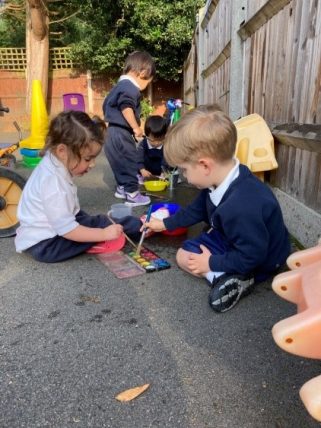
[73, 336]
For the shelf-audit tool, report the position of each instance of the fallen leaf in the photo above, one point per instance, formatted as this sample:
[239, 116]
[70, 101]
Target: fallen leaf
[93, 299]
[132, 393]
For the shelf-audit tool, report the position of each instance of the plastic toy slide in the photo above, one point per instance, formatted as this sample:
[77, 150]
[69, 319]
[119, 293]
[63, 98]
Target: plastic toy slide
[300, 334]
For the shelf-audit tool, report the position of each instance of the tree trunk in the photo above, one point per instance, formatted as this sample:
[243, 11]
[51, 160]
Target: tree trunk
[37, 47]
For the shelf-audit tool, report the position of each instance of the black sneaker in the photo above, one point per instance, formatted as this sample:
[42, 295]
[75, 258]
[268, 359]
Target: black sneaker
[227, 291]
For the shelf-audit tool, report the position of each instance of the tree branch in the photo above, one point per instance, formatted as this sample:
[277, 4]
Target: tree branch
[65, 18]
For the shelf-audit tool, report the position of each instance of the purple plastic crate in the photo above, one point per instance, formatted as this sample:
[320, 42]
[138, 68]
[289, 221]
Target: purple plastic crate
[74, 102]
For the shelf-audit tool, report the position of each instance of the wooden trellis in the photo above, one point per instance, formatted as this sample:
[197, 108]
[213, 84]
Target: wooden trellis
[15, 59]
[60, 59]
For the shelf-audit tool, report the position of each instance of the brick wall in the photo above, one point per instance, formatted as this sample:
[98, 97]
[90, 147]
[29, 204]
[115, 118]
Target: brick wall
[13, 94]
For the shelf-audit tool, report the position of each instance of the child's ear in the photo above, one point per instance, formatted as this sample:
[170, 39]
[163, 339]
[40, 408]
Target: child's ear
[62, 152]
[206, 163]
[143, 75]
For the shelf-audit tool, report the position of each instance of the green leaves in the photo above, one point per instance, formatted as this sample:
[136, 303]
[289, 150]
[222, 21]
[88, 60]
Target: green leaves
[103, 33]
[163, 28]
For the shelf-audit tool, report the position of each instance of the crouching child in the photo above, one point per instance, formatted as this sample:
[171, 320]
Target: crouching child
[246, 241]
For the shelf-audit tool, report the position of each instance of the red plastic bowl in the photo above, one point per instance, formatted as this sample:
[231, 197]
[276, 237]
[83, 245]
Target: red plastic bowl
[175, 232]
[108, 246]
[172, 208]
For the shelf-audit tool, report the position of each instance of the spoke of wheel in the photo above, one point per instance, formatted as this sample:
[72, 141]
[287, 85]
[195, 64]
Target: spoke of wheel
[5, 219]
[6, 186]
[13, 194]
[13, 201]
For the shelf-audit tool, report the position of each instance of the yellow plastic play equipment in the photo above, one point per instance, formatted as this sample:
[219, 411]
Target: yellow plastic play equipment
[301, 333]
[39, 119]
[255, 144]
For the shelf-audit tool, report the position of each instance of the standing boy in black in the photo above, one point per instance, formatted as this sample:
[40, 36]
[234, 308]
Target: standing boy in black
[122, 110]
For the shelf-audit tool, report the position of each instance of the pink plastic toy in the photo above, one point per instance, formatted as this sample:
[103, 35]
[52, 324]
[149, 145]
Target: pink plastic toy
[301, 333]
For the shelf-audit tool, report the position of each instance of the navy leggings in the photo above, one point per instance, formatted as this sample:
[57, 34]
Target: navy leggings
[58, 248]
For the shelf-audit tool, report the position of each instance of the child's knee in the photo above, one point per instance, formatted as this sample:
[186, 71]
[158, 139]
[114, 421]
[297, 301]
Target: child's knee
[182, 258]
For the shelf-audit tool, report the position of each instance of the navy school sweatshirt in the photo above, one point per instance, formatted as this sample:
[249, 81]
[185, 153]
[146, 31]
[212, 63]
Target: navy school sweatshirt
[249, 220]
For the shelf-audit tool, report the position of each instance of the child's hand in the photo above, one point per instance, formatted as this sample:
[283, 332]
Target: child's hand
[154, 225]
[145, 173]
[112, 232]
[138, 132]
[199, 263]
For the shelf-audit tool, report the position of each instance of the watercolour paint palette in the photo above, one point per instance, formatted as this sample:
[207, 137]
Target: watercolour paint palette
[121, 265]
[130, 264]
[149, 260]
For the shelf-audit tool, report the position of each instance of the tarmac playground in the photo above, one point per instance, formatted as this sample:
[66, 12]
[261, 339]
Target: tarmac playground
[73, 336]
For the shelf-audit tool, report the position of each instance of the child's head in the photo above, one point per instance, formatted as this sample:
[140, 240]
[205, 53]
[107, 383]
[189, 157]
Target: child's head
[155, 130]
[76, 140]
[202, 143]
[141, 66]
[204, 131]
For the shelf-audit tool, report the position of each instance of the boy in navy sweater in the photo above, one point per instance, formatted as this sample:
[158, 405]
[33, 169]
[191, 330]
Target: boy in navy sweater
[247, 240]
[121, 110]
[150, 149]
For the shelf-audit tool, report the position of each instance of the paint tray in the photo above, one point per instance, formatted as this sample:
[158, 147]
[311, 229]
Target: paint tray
[149, 260]
[121, 265]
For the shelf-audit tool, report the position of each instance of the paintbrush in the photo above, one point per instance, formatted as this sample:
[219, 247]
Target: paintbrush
[126, 236]
[139, 247]
[154, 196]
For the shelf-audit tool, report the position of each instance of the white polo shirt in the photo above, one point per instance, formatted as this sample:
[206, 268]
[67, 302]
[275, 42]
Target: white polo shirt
[48, 204]
[216, 194]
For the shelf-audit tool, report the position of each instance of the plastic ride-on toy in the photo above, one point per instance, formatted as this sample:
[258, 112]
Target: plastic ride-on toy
[11, 185]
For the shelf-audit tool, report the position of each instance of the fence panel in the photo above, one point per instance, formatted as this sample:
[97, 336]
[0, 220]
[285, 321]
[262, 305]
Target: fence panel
[280, 67]
[285, 66]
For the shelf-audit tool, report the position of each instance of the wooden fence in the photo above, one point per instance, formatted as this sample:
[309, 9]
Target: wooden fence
[259, 56]
[15, 59]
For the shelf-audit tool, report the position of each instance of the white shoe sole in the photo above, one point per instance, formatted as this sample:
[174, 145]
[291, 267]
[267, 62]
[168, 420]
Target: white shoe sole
[119, 195]
[136, 204]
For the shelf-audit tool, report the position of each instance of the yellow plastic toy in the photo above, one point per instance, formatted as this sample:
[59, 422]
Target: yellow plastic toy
[255, 144]
[39, 119]
[301, 333]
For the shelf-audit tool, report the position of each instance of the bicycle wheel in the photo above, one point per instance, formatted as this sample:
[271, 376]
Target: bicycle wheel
[11, 185]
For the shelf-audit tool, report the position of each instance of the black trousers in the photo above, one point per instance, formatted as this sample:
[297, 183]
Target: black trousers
[58, 248]
[120, 150]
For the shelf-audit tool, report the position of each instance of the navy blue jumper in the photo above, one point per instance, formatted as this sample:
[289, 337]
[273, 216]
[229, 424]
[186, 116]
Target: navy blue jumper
[248, 225]
[151, 159]
[120, 144]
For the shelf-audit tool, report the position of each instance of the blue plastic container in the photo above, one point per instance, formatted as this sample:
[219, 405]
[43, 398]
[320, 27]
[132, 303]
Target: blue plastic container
[172, 208]
[31, 153]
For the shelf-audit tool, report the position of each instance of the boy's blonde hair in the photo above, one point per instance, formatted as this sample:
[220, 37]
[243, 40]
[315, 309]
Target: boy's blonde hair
[204, 131]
